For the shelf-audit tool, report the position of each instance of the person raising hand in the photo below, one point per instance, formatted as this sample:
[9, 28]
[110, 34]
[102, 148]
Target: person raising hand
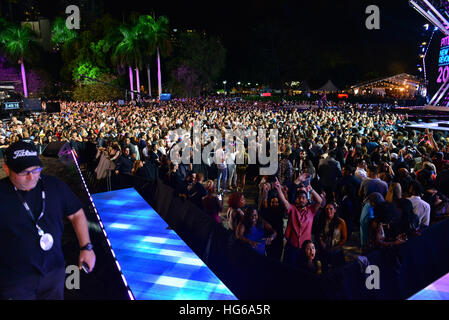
[300, 219]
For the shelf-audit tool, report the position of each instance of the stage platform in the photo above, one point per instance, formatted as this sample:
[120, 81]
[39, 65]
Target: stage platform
[155, 261]
[431, 108]
[439, 290]
[430, 126]
[424, 108]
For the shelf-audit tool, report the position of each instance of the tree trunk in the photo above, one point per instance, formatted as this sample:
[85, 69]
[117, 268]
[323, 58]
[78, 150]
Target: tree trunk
[138, 83]
[149, 80]
[24, 79]
[11, 18]
[159, 80]
[131, 82]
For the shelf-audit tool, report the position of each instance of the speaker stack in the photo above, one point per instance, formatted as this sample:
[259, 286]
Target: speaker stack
[32, 105]
[53, 107]
[56, 149]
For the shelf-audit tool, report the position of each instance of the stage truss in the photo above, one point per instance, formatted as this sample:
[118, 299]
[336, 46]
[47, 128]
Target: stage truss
[436, 11]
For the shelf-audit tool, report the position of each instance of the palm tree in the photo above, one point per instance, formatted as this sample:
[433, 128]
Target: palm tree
[3, 24]
[18, 43]
[146, 35]
[128, 52]
[161, 38]
[60, 34]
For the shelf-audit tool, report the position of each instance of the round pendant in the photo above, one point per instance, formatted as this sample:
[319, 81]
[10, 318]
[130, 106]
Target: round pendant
[46, 242]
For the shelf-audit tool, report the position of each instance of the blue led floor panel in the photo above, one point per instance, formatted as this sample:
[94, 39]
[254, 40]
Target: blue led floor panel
[155, 261]
[439, 290]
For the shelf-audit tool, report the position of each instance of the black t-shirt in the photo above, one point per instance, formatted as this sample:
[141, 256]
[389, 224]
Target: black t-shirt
[2, 149]
[20, 253]
[149, 171]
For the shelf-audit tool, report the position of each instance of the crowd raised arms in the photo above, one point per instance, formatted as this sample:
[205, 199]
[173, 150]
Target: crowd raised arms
[331, 163]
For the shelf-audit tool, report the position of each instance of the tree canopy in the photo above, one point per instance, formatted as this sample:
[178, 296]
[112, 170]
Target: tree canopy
[197, 56]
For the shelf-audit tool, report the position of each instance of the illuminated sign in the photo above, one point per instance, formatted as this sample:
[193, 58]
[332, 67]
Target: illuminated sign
[443, 61]
[12, 105]
[165, 96]
[266, 94]
[342, 95]
[444, 57]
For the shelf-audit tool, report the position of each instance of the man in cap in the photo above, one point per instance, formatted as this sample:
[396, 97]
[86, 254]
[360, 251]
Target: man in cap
[33, 205]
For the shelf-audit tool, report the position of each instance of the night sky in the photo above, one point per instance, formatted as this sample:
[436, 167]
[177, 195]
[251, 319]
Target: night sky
[299, 40]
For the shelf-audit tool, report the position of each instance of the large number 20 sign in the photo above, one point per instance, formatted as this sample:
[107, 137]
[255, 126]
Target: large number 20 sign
[443, 61]
[443, 74]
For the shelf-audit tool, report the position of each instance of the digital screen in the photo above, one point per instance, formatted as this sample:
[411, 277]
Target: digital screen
[165, 96]
[438, 71]
[12, 105]
[156, 263]
[443, 61]
[439, 290]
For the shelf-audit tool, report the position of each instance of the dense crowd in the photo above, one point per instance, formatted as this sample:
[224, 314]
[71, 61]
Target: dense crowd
[345, 173]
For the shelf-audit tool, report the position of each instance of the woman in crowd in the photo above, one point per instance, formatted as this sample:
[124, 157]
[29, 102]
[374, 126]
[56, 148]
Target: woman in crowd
[212, 205]
[255, 231]
[383, 230]
[241, 171]
[236, 202]
[274, 214]
[394, 191]
[367, 215]
[331, 236]
[136, 166]
[309, 261]
[409, 222]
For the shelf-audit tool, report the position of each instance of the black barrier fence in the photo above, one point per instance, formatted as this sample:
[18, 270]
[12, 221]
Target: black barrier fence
[403, 271]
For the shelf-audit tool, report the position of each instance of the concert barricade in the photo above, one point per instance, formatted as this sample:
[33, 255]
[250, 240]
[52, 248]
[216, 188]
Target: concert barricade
[403, 271]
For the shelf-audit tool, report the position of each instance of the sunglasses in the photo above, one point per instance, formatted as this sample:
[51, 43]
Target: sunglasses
[25, 173]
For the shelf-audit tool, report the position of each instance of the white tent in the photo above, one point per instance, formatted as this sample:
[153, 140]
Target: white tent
[328, 87]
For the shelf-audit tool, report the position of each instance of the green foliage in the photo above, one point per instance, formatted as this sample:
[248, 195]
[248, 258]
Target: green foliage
[60, 34]
[103, 26]
[99, 91]
[161, 36]
[18, 42]
[88, 70]
[3, 24]
[184, 82]
[90, 50]
[203, 55]
[128, 51]
[145, 33]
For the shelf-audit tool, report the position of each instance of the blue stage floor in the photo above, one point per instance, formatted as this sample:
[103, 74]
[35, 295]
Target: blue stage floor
[439, 290]
[155, 261]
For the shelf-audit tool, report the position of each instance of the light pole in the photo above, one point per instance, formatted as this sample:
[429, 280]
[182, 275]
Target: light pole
[224, 86]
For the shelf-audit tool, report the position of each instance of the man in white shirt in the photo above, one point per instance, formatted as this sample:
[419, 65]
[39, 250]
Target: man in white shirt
[231, 167]
[360, 172]
[220, 160]
[420, 207]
